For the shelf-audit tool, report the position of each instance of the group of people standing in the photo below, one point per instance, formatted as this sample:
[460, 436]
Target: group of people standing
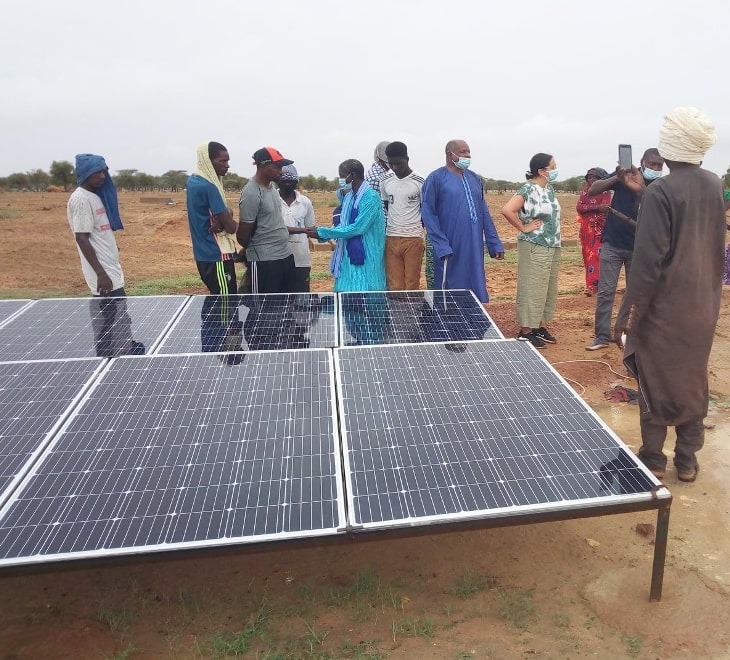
[378, 224]
[666, 232]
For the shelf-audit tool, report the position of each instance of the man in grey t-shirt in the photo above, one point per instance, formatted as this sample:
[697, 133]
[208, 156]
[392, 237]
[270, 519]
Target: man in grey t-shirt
[262, 231]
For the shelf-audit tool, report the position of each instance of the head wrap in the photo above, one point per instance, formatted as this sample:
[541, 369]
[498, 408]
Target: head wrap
[88, 164]
[379, 153]
[207, 172]
[206, 169]
[598, 171]
[289, 174]
[726, 195]
[397, 150]
[686, 135]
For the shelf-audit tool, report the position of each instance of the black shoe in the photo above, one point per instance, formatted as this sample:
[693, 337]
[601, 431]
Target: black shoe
[532, 338]
[544, 335]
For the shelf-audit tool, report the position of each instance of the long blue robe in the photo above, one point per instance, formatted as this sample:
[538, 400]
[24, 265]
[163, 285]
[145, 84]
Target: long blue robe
[445, 213]
[370, 225]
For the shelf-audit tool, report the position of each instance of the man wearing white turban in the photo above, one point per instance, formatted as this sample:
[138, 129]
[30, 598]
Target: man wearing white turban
[672, 300]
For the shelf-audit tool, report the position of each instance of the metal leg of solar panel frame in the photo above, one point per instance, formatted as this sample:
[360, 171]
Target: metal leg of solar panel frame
[660, 553]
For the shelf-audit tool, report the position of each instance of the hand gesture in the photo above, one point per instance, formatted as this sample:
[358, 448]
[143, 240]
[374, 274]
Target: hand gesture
[632, 179]
[532, 226]
[312, 232]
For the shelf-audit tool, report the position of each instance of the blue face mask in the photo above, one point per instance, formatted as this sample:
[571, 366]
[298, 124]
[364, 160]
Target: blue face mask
[650, 174]
[344, 185]
[462, 162]
[553, 175]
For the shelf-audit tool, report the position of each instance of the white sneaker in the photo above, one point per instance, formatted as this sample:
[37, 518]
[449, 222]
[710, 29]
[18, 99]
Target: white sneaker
[597, 346]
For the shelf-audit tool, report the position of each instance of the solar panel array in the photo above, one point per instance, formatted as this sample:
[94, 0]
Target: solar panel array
[470, 429]
[405, 317]
[186, 430]
[254, 323]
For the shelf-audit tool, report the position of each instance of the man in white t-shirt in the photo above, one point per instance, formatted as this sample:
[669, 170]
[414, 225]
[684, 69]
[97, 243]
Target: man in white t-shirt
[93, 214]
[400, 191]
[298, 214]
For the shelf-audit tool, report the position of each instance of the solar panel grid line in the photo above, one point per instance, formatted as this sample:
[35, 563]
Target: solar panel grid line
[123, 483]
[166, 330]
[46, 397]
[10, 308]
[511, 476]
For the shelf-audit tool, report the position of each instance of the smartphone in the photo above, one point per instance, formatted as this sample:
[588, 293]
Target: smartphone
[624, 156]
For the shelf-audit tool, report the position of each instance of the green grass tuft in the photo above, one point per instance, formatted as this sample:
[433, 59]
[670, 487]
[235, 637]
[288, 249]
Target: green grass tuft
[517, 607]
[470, 584]
[236, 644]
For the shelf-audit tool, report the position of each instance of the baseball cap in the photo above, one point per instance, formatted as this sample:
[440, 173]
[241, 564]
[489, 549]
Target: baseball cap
[270, 155]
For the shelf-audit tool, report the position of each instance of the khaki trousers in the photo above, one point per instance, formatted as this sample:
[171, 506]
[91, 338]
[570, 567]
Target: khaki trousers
[403, 259]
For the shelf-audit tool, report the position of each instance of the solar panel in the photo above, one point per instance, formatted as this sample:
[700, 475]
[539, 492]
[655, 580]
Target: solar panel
[34, 398]
[172, 452]
[405, 317]
[439, 432]
[9, 308]
[87, 327]
[254, 323]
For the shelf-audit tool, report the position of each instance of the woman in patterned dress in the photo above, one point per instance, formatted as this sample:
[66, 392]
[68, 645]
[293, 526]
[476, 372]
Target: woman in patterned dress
[592, 214]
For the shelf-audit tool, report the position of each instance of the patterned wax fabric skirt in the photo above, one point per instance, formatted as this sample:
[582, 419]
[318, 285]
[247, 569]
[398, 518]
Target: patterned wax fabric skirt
[429, 264]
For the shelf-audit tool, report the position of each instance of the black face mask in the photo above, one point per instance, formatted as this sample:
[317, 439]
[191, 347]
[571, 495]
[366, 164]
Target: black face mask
[287, 188]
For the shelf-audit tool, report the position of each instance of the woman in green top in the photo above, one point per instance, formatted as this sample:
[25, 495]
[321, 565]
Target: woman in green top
[535, 212]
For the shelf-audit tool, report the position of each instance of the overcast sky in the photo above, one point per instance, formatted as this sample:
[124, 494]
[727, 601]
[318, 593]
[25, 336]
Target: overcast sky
[144, 82]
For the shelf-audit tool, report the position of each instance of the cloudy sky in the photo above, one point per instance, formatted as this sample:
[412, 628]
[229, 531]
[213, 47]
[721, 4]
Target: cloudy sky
[143, 82]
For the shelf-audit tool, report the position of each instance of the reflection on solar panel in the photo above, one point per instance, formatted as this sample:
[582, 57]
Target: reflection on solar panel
[34, 396]
[405, 317]
[87, 327]
[254, 322]
[471, 430]
[9, 308]
[168, 452]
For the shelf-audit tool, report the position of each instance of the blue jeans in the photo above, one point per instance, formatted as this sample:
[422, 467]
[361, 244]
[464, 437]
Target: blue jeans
[610, 268]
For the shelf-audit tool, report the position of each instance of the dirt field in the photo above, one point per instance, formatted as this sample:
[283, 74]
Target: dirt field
[571, 589]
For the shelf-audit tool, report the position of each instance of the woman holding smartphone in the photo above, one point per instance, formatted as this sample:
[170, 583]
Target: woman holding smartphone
[535, 212]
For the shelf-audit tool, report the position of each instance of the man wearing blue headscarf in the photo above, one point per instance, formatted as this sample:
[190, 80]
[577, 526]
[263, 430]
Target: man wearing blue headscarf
[93, 213]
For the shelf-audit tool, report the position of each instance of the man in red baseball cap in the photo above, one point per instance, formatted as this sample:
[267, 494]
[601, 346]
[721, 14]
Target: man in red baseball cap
[262, 231]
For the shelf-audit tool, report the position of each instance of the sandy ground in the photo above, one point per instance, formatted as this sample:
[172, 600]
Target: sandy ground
[572, 589]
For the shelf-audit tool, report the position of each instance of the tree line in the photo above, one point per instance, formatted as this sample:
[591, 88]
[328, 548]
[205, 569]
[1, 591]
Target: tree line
[61, 175]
